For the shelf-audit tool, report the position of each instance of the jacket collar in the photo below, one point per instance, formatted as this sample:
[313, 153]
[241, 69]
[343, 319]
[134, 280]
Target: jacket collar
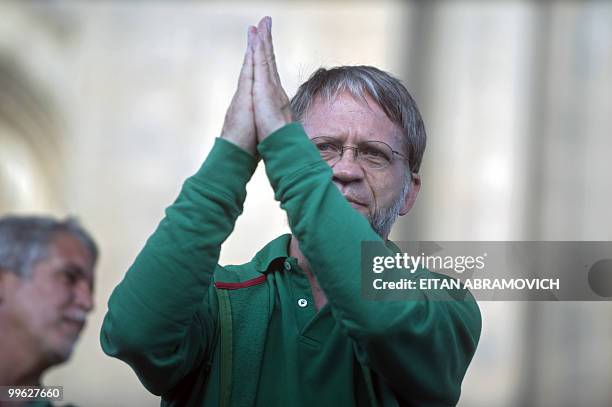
[275, 250]
[278, 250]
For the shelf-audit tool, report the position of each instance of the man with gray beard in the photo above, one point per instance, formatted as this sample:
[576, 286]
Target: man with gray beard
[290, 328]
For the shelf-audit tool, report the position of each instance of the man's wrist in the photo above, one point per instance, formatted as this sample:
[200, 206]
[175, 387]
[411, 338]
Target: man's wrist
[271, 129]
[287, 150]
[227, 165]
[245, 144]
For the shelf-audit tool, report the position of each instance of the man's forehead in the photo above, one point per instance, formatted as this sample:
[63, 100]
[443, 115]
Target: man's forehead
[347, 102]
[345, 115]
[68, 249]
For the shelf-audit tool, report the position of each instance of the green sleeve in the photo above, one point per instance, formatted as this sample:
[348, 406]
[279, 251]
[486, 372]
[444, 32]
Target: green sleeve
[158, 320]
[421, 349]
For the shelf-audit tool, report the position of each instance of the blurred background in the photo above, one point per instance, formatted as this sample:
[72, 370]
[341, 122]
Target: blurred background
[106, 107]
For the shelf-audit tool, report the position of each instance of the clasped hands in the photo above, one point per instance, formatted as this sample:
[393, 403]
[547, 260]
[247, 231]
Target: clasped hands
[260, 106]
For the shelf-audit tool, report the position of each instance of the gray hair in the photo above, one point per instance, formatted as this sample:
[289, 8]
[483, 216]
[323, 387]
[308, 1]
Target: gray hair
[388, 92]
[24, 241]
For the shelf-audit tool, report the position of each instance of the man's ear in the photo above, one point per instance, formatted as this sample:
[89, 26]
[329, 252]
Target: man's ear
[411, 196]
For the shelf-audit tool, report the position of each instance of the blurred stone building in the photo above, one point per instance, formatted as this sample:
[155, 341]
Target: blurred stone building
[105, 107]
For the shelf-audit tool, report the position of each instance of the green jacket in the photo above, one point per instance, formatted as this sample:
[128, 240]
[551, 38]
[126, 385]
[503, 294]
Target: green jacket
[163, 318]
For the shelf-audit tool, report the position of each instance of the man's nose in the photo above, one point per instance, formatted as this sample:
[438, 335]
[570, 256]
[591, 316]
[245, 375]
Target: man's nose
[83, 295]
[348, 168]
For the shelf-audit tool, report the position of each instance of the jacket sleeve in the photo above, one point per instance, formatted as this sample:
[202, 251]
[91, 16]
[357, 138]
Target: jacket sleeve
[158, 319]
[421, 349]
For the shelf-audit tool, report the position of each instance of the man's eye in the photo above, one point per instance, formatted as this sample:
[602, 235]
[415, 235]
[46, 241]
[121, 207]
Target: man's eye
[373, 153]
[325, 147]
[70, 276]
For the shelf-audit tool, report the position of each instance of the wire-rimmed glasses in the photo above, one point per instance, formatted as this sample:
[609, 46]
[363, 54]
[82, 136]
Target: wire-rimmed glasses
[373, 154]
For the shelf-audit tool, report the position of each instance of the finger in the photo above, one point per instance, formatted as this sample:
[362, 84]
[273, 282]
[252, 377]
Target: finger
[260, 62]
[269, 49]
[245, 80]
[264, 30]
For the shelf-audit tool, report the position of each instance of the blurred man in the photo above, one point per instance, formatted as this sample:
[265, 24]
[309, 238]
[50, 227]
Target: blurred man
[46, 284]
[290, 327]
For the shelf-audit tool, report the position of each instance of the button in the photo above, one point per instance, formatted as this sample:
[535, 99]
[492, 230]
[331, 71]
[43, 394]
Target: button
[302, 302]
[287, 265]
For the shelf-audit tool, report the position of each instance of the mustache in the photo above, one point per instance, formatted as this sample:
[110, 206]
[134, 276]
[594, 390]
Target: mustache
[77, 315]
[352, 196]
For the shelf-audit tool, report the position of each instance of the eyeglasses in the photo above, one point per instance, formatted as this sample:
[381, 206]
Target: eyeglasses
[373, 154]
